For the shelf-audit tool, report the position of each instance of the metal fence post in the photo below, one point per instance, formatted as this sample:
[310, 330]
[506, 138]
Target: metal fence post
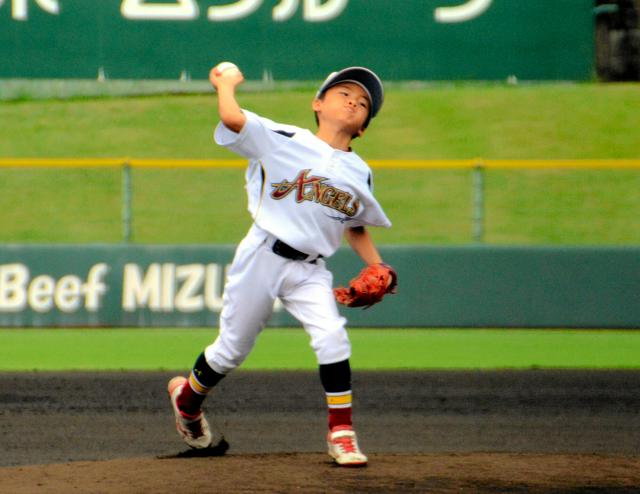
[478, 202]
[126, 202]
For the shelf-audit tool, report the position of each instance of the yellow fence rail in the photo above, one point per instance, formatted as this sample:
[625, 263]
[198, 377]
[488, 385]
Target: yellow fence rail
[400, 164]
[477, 165]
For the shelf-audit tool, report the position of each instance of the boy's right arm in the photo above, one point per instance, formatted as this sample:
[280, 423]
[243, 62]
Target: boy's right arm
[225, 83]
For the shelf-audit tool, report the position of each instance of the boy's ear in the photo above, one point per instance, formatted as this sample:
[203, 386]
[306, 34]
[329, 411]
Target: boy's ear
[360, 133]
[315, 104]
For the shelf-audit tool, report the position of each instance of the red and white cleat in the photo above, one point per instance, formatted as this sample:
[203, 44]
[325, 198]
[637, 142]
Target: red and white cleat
[343, 447]
[194, 429]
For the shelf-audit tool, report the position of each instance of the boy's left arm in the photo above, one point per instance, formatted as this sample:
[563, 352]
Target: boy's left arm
[360, 241]
[374, 281]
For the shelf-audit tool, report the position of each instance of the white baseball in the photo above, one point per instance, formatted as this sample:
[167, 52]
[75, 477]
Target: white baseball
[224, 66]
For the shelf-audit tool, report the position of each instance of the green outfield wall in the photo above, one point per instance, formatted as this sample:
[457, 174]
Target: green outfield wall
[474, 286]
[297, 39]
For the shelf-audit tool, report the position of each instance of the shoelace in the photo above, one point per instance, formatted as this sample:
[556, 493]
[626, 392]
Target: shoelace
[347, 444]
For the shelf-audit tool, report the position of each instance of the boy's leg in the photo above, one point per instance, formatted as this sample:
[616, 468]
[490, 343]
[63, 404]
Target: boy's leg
[336, 381]
[311, 301]
[247, 304]
[249, 294]
[202, 379]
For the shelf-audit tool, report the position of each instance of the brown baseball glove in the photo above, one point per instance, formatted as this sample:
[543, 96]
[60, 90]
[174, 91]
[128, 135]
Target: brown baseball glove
[369, 287]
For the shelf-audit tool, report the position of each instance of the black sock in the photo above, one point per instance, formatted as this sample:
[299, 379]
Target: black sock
[336, 377]
[336, 380]
[201, 380]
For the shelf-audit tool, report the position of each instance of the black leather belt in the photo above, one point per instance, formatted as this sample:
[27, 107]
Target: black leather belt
[288, 252]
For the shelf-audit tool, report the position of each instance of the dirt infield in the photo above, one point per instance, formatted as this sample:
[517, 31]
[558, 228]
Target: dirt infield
[438, 432]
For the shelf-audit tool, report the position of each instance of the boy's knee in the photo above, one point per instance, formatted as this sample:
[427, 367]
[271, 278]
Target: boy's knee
[226, 353]
[332, 346]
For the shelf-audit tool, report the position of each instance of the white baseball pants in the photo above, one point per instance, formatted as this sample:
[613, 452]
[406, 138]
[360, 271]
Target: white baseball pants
[255, 278]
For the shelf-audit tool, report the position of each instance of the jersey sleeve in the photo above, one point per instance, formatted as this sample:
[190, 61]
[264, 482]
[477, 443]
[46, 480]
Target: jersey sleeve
[371, 213]
[258, 138]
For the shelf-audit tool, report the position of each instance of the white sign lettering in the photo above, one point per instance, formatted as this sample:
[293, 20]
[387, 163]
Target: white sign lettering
[44, 293]
[13, 278]
[179, 11]
[192, 276]
[138, 291]
[462, 13]
[317, 11]
[233, 11]
[19, 8]
[313, 10]
[186, 10]
[168, 287]
[173, 287]
[41, 293]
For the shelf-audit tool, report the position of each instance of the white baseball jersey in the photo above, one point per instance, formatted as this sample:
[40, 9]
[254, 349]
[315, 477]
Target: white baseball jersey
[300, 189]
[304, 193]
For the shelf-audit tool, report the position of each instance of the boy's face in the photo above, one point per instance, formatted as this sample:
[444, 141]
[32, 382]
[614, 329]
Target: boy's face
[345, 103]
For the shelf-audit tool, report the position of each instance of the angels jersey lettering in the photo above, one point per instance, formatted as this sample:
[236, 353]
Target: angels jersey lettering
[300, 189]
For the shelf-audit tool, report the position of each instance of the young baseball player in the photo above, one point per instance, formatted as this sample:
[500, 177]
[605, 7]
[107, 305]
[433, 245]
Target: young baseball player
[305, 192]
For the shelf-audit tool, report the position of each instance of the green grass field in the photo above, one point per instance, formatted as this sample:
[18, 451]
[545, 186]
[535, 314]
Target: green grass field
[417, 349]
[433, 121]
[547, 121]
[428, 121]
